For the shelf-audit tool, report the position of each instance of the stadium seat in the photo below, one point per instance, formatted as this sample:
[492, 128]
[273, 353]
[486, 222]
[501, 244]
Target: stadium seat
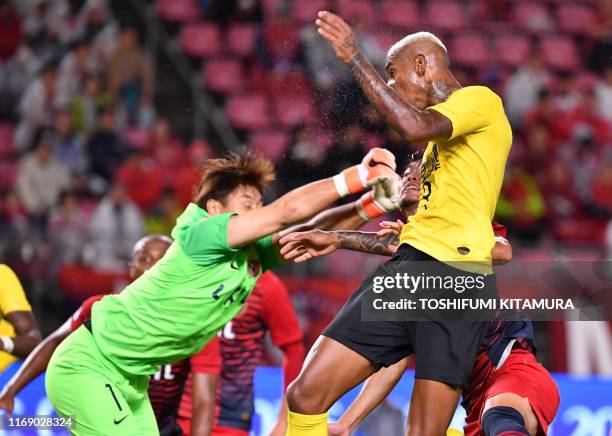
[241, 39]
[249, 111]
[470, 50]
[445, 15]
[385, 40]
[8, 175]
[278, 84]
[269, 6]
[272, 144]
[293, 110]
[6, 140]
[357, 10]
[512, 50]
[400, 13]
[223, 75]
[574, 18]
[559, 53]
[533, 16]
[305, 11]
[201, 39]
[180, 11]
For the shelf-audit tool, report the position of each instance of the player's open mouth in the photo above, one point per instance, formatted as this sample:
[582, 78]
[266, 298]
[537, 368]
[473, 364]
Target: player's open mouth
[411, 187]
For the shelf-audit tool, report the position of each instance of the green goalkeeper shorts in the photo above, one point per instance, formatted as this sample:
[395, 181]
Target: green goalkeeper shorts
[84, 385]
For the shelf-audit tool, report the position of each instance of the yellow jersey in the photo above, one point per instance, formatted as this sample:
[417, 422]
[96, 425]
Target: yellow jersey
[12, 299]
[460, 182]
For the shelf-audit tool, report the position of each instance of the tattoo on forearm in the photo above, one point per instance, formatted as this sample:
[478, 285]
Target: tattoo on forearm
[368, 242]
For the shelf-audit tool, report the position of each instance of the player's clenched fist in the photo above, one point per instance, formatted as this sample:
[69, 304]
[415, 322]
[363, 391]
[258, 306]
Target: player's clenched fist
[339, 34]
[378, 166]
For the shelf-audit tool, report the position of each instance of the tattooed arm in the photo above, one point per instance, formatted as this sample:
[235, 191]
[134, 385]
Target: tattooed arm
[413, 124]
[302, 246]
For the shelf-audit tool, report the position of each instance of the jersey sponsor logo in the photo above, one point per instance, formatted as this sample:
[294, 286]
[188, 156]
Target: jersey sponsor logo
[463, 251]
[119, 421]
[226, 332]
[233, 265]
[430, 164]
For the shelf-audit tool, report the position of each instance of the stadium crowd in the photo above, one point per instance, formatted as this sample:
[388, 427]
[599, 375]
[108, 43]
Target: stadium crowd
[87, 167]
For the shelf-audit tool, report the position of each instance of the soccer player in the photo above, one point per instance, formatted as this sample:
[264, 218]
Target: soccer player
[222, 243]
[18, 331]
[268, 308]
[166, 386]
[509, 390]
[469, 141]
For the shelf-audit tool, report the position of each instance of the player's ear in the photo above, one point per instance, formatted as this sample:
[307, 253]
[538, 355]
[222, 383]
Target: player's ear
[420, 64]
[214, 207]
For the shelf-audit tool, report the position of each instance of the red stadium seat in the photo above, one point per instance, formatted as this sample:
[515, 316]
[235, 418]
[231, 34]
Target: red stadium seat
[469, 50]
[357, 10]
[241, 39]
[293, 110]
[533, 16]
[6, 140]
[445, 15]
[248, 111]
[201, 39]
[8, 175]
[272, 144]
[385, 40]
[400, 13]
[512, 50]
[560, 53]
[573, 18]
[177, 10]
[223, 75]
[269, 6]
[278, 84]
[305, 11]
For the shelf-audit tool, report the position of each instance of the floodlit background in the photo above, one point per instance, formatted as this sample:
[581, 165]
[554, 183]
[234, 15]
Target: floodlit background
[107, 107]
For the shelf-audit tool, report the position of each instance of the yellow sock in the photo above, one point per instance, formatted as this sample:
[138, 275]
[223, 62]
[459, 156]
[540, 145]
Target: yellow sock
[306, 425]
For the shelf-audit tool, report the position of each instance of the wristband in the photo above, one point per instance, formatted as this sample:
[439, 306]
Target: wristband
[7, 344]
[367, 208]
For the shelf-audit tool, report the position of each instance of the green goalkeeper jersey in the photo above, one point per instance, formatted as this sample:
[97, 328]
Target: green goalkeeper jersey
[177, 306]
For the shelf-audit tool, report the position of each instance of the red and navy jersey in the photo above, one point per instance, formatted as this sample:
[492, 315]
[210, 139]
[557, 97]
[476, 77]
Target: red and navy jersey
[166, 387]
[501, 335]
[268, 308]
[84, 311]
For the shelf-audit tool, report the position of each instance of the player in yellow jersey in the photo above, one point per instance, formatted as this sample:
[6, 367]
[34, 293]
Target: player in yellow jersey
[18, 331]
[448, 239]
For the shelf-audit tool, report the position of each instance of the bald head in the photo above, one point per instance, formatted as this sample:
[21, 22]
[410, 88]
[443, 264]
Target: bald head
[147, 251]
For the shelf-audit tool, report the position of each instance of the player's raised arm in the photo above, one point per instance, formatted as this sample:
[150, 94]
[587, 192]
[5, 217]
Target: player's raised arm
[412, 122]
[378, 166]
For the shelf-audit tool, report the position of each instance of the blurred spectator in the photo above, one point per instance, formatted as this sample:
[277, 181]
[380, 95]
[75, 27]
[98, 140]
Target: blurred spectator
[347, 150]
[320, 60]
[43, 23]
[190, 173]
[546, 113]
[36, 106]
[538, 147]
[566, 98]
[105, 149]
[67, 145]
[523, 87]
[68, 231]
[74, 69]
[163, 217]
[585, 117]
[130, 78]
[521, 205]
[86, 104]
[603, 91]
[601, 189]
[142, 179]
[13, 216]
[10, 30]
[41, 179]
[166, 149]
[97, 24]
[16, 75]
[558, 190]
[116, 225]
[302, 163]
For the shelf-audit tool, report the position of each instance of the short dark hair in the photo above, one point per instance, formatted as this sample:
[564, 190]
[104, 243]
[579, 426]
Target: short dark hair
[221, 176]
